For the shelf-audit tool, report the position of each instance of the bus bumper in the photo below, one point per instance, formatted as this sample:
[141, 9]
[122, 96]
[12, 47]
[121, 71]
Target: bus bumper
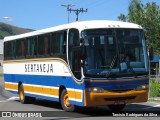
[107, 97]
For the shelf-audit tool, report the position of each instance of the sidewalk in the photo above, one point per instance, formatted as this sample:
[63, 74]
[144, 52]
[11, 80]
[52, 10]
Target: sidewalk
[157, 99]
[1, 69]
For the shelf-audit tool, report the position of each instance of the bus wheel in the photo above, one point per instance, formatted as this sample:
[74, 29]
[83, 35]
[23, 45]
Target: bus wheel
[22, 97]
[65, 101]
[116, 107]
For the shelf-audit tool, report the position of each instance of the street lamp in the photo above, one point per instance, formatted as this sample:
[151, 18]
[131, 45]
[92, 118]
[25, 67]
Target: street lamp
[68, 6]
[5, 17]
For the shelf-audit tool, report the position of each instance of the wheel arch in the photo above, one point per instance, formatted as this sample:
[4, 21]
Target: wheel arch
[62, 87]
[19, 83]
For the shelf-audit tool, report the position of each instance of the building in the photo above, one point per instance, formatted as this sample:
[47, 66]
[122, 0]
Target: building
[1, 55]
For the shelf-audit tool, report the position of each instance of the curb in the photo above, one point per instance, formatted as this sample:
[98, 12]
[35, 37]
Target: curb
[157, 99]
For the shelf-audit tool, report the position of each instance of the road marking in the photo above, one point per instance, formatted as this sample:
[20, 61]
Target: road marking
[152, 106]
[10, 99]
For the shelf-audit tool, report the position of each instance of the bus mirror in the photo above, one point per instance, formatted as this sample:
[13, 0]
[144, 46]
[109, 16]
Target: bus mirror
[151, 53]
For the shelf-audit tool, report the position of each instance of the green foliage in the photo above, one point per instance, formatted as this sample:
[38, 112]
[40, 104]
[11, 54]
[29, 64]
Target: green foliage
[7, 30]
[148, 16]
[154, 88]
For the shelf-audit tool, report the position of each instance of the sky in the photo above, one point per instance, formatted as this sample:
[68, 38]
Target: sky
[40, 14]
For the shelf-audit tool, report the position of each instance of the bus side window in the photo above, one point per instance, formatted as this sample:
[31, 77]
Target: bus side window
[47, 44]
[20, 48]
[53, 45]
[9, 50]
[28, 47]
[62, 42]
[41, 45]
[23, 48]
[58, 43]
[5, 50]
[34, 46]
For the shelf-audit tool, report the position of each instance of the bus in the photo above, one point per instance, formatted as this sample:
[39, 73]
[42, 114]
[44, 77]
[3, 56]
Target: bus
[84, 63]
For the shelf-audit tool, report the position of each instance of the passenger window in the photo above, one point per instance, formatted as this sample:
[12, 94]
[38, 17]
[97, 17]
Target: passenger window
[20, 48]
[58, 43]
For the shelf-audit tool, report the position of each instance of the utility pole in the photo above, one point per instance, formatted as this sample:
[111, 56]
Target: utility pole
[68, 7]
[77, 11]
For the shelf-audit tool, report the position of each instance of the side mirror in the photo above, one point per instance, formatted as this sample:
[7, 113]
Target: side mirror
[151, 53]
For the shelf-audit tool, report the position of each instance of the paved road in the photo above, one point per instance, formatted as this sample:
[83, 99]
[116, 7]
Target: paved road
[9, 102]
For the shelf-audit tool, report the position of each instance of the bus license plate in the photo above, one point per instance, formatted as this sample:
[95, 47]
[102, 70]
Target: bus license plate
[119, 102]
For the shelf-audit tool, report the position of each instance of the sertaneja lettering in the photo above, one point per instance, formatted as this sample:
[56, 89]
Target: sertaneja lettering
[47, 68]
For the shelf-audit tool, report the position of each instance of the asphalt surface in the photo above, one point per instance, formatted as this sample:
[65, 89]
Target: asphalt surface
[48, 110]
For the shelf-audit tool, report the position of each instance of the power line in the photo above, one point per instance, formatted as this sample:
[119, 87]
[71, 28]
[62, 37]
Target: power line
[68, 7]
[77, 11]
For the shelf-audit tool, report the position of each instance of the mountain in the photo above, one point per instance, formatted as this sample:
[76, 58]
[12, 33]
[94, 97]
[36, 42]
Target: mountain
[8, 30]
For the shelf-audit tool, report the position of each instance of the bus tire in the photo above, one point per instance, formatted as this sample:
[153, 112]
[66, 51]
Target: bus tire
[65, 102]
[116, 107]
[23, 99]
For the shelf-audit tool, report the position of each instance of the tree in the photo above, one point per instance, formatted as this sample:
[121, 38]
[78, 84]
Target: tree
[148, 16]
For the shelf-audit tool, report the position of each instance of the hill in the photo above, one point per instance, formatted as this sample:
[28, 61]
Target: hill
[7, 30]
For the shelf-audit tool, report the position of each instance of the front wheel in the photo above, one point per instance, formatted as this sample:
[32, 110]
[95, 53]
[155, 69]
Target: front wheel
[116, 107]
[65, 102]
[22, 97]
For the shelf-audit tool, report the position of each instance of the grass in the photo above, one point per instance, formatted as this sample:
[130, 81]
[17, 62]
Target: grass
[154, 88]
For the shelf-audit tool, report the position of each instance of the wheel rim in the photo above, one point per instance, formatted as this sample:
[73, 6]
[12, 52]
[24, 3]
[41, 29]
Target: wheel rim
[21, 94]
[66, 101]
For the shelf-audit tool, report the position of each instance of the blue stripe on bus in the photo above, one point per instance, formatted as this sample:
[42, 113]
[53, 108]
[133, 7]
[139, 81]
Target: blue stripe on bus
[49, 81]
[42, 80]
[112, 85]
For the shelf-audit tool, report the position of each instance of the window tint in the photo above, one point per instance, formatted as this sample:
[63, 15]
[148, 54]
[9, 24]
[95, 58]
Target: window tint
[58, 43]
[31, 46]
[20, 48]
[37, 46]
[73, 52]
[41, 45]
[9, 50]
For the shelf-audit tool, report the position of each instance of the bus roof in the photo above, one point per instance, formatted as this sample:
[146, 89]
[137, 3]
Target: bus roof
[81, 25]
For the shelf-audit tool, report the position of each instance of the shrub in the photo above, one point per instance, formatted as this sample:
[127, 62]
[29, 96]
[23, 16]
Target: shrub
[154, 88]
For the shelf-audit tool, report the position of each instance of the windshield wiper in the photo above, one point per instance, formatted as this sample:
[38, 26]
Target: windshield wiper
[111, 66]
[129, 67]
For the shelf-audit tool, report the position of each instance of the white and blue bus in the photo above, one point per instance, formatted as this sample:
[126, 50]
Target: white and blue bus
[85, 63]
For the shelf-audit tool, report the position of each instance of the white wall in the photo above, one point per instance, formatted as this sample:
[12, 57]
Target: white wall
[1, 54]
[1, 46]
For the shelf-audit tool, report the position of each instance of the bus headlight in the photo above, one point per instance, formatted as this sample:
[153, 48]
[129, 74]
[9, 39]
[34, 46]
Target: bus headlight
[95, 89]
[143, 87]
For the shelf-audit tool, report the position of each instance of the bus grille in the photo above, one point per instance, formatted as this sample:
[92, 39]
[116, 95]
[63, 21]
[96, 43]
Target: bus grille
[121, 90]
[120, 98]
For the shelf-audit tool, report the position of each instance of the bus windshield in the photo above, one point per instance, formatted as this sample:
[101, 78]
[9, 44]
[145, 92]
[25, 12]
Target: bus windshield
[113, 52]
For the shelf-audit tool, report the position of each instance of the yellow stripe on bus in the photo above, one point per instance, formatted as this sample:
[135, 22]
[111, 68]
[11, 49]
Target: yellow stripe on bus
[73, 94]
[42, 90]
[11, 86]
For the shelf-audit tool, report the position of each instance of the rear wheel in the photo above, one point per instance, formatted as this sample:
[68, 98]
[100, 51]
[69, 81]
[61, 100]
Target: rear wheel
[23, 99]
[116, 107]
[65, 101]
